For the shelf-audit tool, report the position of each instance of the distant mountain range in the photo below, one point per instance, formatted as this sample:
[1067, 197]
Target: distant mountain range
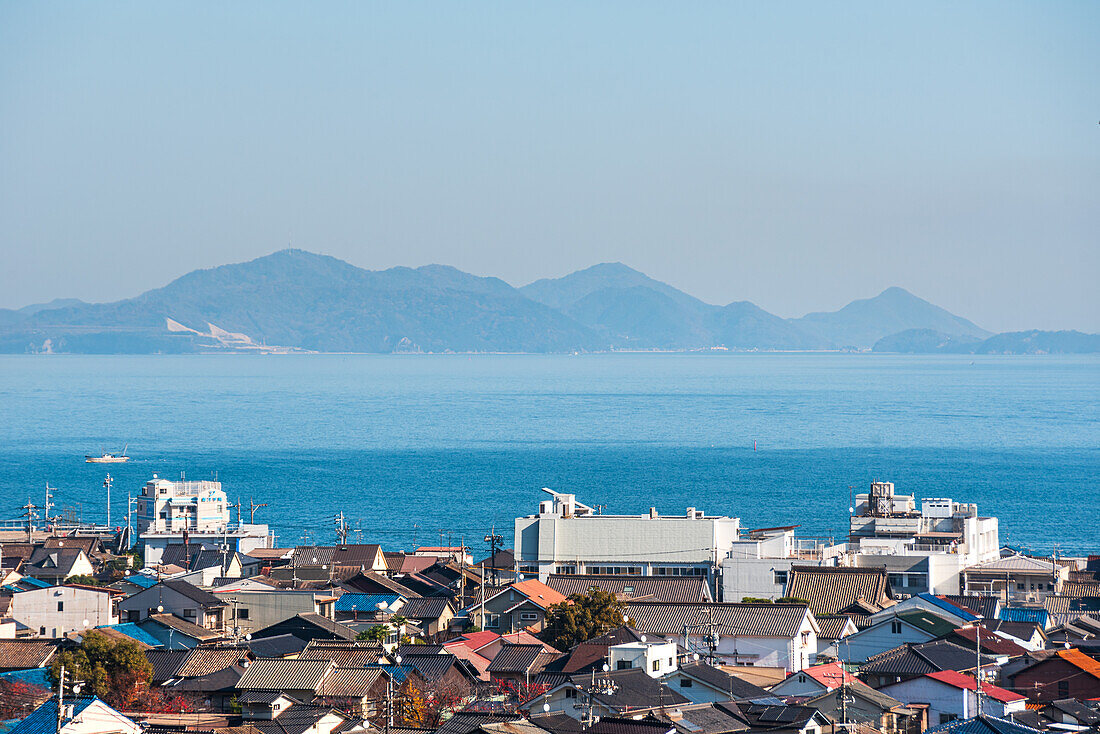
[294, 300]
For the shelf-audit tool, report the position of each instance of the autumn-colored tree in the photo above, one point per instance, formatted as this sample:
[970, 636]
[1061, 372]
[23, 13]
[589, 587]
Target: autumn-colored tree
[582, 617]
[426, 703]
[116, 671]
[521, 691]
[18, 698]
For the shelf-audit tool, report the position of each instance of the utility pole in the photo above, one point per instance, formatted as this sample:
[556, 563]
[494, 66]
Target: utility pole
[31, 516]
[978, 653]
[107, 482]
[341, 528]
[253, 507]
[495, 542]
[48, 504]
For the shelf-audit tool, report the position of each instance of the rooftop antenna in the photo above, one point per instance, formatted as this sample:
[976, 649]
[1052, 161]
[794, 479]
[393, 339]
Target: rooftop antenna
[978, 672]
[107, 482]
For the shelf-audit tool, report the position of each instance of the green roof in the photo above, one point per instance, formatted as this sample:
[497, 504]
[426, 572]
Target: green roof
[930, 623]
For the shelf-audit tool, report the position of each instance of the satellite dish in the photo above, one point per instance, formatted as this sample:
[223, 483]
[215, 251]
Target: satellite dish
[851, 510]
[546, 707]
[643, 638]
[398, 659]
[606, 667]
[160, 608]
[76, 688]
[695, 657]
[85, 623]
[248, 637]
[381, 606]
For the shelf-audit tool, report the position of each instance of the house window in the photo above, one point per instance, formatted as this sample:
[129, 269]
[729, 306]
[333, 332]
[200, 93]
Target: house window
[190, 613]
[492, 621]
[529, 616]
[779, 578]
[895, 627]
[623, 665]
[529, 569]
[42, 631]
[1019, 587]
[570, 692]
[628, 589]
[656, 665]
[1063, 689]
[274, 707]
[242, 613]
[60, 606]
[685, 682]
[801, 678]
[945, 718]
[566, 570]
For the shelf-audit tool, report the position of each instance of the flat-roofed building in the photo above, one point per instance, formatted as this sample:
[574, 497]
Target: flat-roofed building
[568, 537]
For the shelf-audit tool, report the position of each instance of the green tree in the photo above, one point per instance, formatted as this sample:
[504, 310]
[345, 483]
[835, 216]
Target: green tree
[376, 633]
[582, 617]
[791, 600]
[83, 579]
[118, 672]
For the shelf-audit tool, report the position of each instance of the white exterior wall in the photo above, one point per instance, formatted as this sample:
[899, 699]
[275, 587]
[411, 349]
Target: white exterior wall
[200, 506]
[646, 656]
[38, 609]
[99, 718]
[775, 652]
[944, 699]
[873, 640]
[548, 540]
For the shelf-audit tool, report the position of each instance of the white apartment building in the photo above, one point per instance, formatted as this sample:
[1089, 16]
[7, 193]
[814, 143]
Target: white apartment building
[567, 537]
[656, 657]
[925, 550]
[166, 510]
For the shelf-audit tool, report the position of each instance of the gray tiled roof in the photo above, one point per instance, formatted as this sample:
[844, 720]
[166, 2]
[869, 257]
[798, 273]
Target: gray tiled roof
[204, 660]
[520, 659]
[981, 724]
[681, 589]
[204, 599]
[737, 688]
[744, 620]
[465, 722]
[923, 658]
[284, 675]
[829, 589]
[425, 607]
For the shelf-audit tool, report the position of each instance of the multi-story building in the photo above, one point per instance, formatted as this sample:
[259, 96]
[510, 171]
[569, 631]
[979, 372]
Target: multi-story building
[567, 537]
[923, 550]
[197, 511]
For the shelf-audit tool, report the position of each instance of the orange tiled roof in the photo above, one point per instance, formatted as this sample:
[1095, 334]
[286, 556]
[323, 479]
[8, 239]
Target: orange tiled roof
[1081, 660]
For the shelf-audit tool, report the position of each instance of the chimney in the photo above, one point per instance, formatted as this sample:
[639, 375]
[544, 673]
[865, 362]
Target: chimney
[652, 513]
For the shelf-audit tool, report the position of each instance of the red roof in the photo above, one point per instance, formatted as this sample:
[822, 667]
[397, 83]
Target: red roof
[538, 592]
[830, 675]
[965, 682]
[991, 642]
[476, 640]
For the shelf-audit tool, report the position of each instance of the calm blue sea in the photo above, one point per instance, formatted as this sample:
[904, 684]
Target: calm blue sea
[410, 447]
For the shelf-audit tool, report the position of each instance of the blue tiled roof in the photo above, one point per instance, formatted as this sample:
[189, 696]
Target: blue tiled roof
[31, 676]
[27, 583]
[365, 603]
[1036, 615]
[44, 718]
[140, 579]
[397, 672]
[133, 631]
[948, 606]
[982, 724]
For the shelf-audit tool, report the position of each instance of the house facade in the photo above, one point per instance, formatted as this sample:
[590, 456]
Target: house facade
[58, 610]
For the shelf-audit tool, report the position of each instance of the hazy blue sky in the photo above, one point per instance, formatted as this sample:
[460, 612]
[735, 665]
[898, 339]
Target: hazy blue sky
[795, 155]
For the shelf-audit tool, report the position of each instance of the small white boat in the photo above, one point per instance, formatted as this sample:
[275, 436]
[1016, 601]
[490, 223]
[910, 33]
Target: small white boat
[108, 458]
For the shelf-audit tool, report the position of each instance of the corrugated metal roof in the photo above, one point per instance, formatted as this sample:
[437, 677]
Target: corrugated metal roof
[365, 604]
[44, 718]
[277, 674]
[1081, 588]
[744, 620]
[982, 724]
[1035, 615]
[1018, 563]
[829, 590]
[134, 632]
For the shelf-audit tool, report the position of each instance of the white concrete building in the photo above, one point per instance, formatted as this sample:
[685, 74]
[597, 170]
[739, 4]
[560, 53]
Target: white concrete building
[923, 550]
[164, 505]
[758, 563]
[168, 510]
[567, 537]
[58, 610]
[656, 657]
